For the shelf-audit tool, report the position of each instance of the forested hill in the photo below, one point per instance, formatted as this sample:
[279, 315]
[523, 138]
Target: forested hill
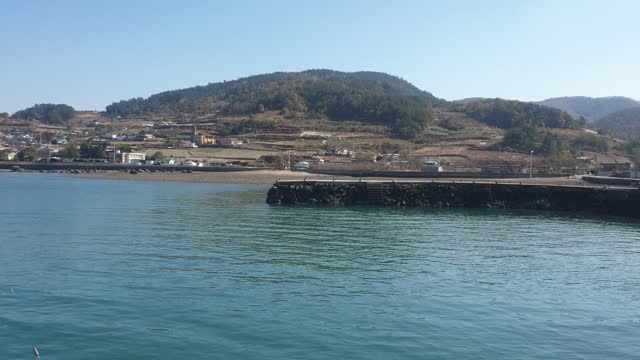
[509, 114]
[370, 97]
[47, 113]
[625, 123]
[590, 108]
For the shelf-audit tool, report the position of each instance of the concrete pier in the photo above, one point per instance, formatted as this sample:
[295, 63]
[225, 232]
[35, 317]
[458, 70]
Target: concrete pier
[621, 201]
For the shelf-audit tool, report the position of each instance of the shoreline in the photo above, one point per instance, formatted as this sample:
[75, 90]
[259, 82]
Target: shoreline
[257, 177]
[270, 177]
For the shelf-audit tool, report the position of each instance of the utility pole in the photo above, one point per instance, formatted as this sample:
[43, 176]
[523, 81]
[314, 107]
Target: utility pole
[531, 165]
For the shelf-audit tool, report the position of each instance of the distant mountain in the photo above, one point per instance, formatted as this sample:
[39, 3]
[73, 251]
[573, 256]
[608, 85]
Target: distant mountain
[624, 123]
[369, 97]
[590, 108]
[470, 100]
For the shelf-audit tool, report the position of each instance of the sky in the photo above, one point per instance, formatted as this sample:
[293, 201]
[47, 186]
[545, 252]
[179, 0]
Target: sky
[89, 54]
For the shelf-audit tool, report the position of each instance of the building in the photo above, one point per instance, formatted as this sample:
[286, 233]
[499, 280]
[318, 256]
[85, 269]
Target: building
[217, 163]
[192, 163]
[616, 170]
[431, 165]
[132, 158]
[167, 161]
[187, 145]
[204, 139]
[229, 141]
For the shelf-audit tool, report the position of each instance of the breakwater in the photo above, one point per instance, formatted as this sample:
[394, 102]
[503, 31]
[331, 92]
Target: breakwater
[471, 194]
[428, 174]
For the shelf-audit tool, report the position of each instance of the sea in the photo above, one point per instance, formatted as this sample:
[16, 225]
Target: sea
[104, 269]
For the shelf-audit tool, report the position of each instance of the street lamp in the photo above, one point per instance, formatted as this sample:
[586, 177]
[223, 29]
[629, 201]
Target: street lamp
[531, 165]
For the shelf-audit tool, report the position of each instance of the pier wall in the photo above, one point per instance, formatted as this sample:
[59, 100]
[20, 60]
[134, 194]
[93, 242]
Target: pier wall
[603, 200]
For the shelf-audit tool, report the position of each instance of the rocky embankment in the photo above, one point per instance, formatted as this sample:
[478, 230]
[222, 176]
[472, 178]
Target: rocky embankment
[604, 200]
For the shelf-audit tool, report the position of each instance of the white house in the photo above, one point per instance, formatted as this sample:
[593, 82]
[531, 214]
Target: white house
[132, 158]
[167, 161]
[192, 163]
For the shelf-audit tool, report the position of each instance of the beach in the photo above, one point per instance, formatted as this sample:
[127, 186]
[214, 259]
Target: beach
[258, 177]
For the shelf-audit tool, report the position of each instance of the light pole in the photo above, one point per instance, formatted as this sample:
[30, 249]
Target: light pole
[531, 165]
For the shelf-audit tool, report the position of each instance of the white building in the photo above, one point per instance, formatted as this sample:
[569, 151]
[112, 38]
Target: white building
[167, 161]
[132, 158]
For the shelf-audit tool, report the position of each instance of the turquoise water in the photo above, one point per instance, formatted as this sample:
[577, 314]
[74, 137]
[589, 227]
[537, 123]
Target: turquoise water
[93, 269]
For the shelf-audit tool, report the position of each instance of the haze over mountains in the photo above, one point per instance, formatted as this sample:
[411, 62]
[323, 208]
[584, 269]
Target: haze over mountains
[615, 114]
[592, 109]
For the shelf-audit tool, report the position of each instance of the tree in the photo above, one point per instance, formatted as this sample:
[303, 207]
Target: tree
[158, 155]
[70, 152]
[48, 113]
[4, 154]
[27, 154]
[93, 151]
[124, 148]
[521, 139]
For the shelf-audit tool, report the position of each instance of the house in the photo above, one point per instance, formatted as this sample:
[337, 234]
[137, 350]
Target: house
[187, 145]
[204, 139]
[192, 163]
[132, 158]
[431, 165]
[167, 161]
[229, 141]
[624, 170]
[302, 165]
[217, 163]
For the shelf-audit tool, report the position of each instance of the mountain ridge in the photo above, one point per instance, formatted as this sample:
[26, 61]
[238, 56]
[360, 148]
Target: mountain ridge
[591, 108]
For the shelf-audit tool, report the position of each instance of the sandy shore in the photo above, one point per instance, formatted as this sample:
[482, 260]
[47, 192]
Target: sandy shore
[258, 177]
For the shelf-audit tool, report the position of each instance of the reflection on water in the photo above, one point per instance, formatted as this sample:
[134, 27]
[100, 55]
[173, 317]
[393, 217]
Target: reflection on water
[133, 269]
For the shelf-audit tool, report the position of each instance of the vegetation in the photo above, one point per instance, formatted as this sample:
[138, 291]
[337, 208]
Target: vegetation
[158, 155]
[368, 97]
[625, 123]
[509, 114]
[27, 154]
[84, 151]
[590, 108]
[452, 124]
[550, 145]
[4, 154]
[88, 151]
[249, 125]
[632, 148]
[4, 115]
[47, 113]
[70, 151]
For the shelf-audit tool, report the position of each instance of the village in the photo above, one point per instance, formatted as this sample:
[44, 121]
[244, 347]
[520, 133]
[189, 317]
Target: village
[173, 144]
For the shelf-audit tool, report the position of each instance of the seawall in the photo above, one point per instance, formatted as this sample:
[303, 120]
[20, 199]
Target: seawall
[86, 167]
[471, 194]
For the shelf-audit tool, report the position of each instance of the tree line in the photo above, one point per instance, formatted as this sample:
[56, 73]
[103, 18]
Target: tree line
[508, 114]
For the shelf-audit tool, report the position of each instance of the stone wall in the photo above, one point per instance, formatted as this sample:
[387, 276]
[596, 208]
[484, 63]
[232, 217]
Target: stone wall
[604, 200]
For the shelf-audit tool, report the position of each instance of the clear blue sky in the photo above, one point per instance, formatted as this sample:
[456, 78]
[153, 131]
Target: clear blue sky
[91, 53]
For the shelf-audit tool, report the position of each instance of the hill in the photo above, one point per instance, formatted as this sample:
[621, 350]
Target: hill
[508, 114]
[369, 97]
[46, 113]
[590, 108]
[624, 124]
